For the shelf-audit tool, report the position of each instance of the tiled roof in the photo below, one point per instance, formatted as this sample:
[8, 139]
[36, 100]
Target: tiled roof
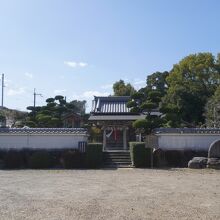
[74, 131]
[188, 130]
[110, 105]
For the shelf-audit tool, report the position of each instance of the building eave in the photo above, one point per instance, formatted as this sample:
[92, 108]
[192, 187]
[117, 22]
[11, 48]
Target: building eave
[116, 117]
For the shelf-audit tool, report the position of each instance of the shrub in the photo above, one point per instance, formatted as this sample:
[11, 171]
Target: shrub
[72, 159]
[174, 158]
[25, 154]
[13, 159]
[201, 153]
[140, 155]
[40, 160]
[56, 155]
[159, 158]
[94, 157]
[190, 154]
[180, 158]
[2, 154]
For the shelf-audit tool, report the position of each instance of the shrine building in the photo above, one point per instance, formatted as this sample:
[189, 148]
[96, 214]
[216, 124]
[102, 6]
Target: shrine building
[115, 119]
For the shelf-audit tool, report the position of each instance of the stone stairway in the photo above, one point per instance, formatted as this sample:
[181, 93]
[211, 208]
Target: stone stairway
[117, 159]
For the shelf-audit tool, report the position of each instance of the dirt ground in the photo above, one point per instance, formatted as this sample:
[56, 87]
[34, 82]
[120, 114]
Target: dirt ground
[110, 194]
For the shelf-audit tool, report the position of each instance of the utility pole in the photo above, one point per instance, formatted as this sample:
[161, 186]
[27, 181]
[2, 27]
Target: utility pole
[3, 85]
[35, 94]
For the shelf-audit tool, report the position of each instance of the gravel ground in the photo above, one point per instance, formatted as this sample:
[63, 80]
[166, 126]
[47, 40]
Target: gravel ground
[110, 194]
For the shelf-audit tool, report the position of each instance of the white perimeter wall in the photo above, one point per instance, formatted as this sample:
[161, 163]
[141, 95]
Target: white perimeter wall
[47, 141]
[186, 141]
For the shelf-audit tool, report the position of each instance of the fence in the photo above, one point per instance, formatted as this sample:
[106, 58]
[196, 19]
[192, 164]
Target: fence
[42, 138]
[82, 146]
[186, 138]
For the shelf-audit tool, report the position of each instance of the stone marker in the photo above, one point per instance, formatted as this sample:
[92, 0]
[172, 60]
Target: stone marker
[214, 150]
[197, 163]
[214, 155]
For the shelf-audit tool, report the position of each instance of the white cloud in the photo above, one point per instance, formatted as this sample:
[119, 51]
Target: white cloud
[91, 94]
[107, 86]
[70, 63]
[59, 91]
[139, 82]
[82, 64]
[7, 82]
[74, 64]
[29, 75]
[15, 91]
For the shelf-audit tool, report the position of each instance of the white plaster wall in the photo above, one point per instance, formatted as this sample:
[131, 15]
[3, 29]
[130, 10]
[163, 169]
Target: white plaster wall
[186, 141]
[41, 141]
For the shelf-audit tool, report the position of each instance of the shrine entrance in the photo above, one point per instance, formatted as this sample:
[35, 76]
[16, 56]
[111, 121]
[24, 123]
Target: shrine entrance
[115, 119]
[115, 138]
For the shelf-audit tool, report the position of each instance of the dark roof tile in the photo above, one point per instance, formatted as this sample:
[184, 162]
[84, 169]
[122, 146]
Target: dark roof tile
[188, 130]
[111, 105]
[43, 131]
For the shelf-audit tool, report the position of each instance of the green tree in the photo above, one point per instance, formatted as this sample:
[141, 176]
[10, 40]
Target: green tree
[146, 102]
[212, 110]
[51, 114]
[190, 83]
[2, 119]
[120, 88]
[78, 106]
[157, 81]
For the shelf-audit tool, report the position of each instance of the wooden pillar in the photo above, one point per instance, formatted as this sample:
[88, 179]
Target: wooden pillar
[124, 139]
[139, 137]
[104, 139]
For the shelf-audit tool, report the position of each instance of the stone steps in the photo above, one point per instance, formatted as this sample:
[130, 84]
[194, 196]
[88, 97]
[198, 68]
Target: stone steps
[117, 159]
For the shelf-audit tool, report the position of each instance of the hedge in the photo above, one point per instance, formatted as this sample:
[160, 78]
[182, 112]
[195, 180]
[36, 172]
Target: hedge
[174, 158]
[180, 158]
[94, 155]
[159, 159]
[13, 159]
[2, 154]
[140, 155]
[72, 159]
[44, 158]
[40, 160]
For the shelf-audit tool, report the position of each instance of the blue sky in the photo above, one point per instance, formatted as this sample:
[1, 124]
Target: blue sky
[80, 48]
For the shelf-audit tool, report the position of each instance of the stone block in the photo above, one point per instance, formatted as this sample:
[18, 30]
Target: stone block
[197, 163]
[213, 163]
